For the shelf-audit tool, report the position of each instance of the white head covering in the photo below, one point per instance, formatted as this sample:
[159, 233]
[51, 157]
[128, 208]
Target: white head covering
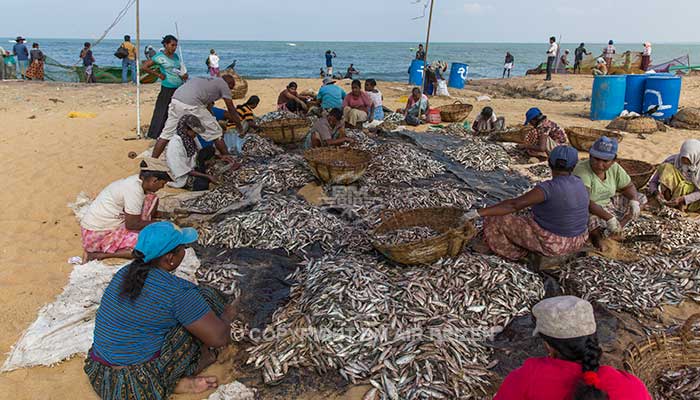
[690, 150]
[600, 60]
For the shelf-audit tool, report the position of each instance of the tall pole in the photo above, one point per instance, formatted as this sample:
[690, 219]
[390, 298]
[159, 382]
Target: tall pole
[427, 39]
[138, 72]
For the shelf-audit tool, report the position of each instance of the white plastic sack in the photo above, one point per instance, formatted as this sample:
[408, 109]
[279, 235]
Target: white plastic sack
[442, 88]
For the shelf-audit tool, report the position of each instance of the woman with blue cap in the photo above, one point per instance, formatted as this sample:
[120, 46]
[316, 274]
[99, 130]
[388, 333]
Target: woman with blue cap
[614, 199]
[558, 223]
[546, 135]
[153, 330]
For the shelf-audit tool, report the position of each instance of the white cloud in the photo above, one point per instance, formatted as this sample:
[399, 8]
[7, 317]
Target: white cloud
[475, 8]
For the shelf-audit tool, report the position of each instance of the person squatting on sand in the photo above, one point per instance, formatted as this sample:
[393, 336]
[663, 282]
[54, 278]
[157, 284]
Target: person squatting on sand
[558, 223]
[196, 97]
[572, 368]
[328, 130]
[110, 226]
[545, 136]
[487, 122]
[154, 331]
[604, 178]
[676, 182]
[416, 107]
[187, 158]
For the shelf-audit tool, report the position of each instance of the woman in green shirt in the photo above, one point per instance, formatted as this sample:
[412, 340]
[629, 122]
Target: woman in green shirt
[614, 199]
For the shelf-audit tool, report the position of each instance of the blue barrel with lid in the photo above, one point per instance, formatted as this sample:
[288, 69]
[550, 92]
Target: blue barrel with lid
[458, 75]
[634, 93]
[663, 92]
[415, 72]
[608, 96]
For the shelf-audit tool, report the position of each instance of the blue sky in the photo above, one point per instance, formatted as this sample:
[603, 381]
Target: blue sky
[364, 20]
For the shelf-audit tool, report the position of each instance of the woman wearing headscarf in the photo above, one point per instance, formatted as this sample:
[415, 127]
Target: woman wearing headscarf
[572, 368]
[186, 158]
[677, 181]
[154, 331]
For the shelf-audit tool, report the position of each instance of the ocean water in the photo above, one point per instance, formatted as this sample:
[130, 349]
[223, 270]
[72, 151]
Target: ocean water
[383, 61]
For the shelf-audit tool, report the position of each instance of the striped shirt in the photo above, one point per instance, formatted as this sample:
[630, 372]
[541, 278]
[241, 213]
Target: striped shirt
[132, 332]
[245, 113]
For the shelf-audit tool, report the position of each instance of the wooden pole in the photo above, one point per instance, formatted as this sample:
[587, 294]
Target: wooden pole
[138, 71]
[427, 39]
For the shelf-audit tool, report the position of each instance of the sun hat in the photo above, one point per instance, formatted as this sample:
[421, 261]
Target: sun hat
[19, 38]
[328, 80]
[564, 317]
[156, 165]
[566, 153]
[192, 122]
[604, 148]
[160, 238]
[531, 114]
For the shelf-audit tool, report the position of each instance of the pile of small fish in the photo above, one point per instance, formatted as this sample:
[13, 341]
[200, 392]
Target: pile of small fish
[275, 115]
[480, 155]
[362, 141]
[257, 146]
[675, 228]
[683, 384]
[391, 122]
[414, 333]
[276, 222]
[400, 162]
[457, 129]
[541, 171]
[223, 277]
[639, 287]
[406, 235]
[278, 174]
[213, 200]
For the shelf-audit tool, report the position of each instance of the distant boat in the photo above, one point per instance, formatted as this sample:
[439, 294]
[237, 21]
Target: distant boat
[291, 44]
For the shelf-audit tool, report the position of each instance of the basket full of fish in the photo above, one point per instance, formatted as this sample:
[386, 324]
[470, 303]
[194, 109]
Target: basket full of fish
[422, 236]
[583, 138]
[285, 130]
[340, 166]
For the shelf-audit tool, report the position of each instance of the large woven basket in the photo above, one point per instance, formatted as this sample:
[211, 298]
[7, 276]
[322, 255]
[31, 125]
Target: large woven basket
[583, 138]
[456, 112]
[634, 124]
[285, 131]
[450, 243]
[656, 354]
[639, 171]
[687, 118]
[514, 135]
[241, 89]
[340, 166]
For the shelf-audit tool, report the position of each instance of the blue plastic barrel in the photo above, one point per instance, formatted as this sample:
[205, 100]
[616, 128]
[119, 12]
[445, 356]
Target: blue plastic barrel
[608, 97]
[458, 75]
[634, 93]
[415, 72]
[665, 92]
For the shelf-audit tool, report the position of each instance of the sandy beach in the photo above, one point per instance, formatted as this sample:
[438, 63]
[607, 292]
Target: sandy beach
[50, 158]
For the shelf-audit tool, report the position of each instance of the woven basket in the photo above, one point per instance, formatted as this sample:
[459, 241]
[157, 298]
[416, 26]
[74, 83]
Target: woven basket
[687, 118]
[285, 131]
[450, 243]
[340, 166]
[241, 89]
[583, 138]
[634, 124]
[456, 112]
[514, 135]
[639, 171]
[656, 354]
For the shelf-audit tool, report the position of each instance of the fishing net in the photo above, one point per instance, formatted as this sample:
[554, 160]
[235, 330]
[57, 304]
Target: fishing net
[55, 71]
[665, 67]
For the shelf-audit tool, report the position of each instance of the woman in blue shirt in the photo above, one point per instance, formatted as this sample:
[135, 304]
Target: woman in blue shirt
[153, 330]
[171, 76]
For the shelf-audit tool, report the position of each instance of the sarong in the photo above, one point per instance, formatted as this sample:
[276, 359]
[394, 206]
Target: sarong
[354, 116]
[513, 237]
[671, 179]
[119, 239]
[155, 379]
[36, 70]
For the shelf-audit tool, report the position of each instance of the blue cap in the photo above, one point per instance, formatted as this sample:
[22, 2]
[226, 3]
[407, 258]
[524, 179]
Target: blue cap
[531, 114]
[566, 153]
[604, 148]
[160, 238]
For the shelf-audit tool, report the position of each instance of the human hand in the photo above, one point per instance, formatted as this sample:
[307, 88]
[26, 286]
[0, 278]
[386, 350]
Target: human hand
[613, 225]
[161, 76]
[230, 312]
[635, 208]
[213, 179]
[677, 202]
[229, 159]
[470, 216]
[185, 77]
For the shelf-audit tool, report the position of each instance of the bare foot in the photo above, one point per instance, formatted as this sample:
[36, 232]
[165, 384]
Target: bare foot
[196, 384]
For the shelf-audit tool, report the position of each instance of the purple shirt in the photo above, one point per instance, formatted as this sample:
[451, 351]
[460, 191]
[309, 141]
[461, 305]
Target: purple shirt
[564, 211]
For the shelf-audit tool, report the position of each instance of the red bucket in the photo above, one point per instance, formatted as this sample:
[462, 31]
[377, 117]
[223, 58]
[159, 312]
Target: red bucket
[434, 116]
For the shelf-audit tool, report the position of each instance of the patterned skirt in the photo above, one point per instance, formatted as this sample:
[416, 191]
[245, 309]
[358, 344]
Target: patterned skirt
[120, 238]
[36, 70]
[513, 237]
[155, 379]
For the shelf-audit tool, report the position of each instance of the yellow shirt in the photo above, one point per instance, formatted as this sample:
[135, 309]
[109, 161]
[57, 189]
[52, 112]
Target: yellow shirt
[131, 49]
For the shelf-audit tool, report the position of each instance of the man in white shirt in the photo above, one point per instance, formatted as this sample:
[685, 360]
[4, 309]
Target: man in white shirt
[195, 97]
[551, 56]
[110, 226]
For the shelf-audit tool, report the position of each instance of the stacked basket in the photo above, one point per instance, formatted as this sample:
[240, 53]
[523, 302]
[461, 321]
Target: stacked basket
[583, 138]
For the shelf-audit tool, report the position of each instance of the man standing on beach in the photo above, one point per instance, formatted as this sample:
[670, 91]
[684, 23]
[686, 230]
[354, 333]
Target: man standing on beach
[420, 54]
[129, 62]
[20, 51]
[330, 55]
[551, 56]
[578, 57]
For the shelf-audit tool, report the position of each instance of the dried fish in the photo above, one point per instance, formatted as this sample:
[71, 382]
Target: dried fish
[222, 277]
[480, 155]
[683, 384]
[414, 333]
[276, 115]
[400, 162]
[407, 235]
[675, 228]
[257, 146]
[278, 174]
[214, 200]
[541, 171]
